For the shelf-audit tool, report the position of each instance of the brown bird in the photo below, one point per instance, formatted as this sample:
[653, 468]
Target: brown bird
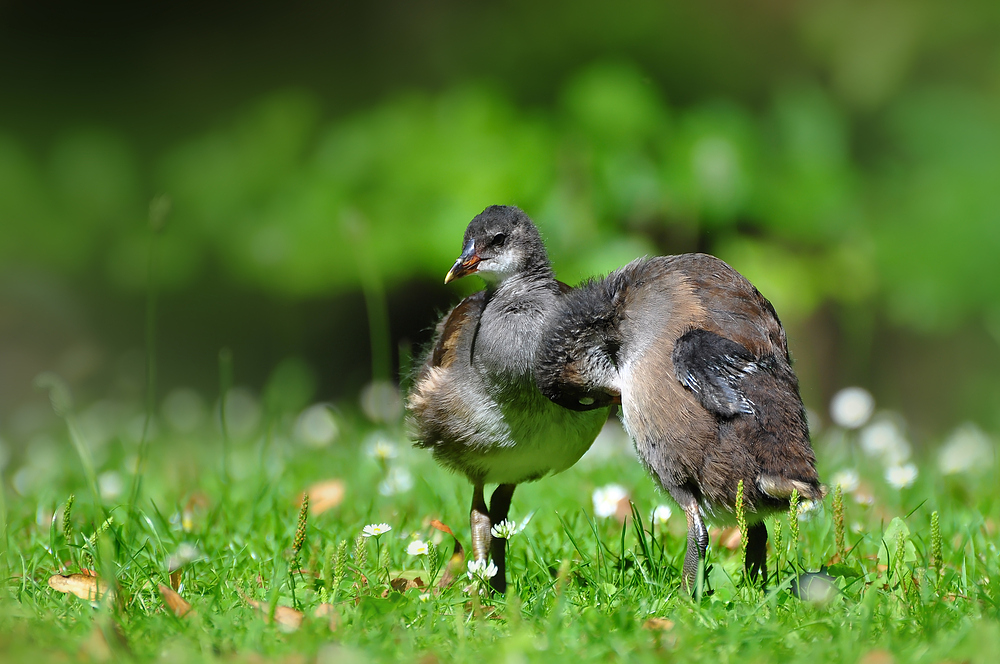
[474, 402]
[699, 361]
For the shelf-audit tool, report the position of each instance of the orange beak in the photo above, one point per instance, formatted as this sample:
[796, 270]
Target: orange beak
[467, 263]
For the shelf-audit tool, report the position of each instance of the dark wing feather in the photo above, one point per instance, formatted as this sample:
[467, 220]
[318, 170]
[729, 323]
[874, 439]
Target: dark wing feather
[451, 328]
[712, 367]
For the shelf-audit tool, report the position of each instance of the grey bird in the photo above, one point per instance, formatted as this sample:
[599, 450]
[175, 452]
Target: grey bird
[699, 360]
[474, 401]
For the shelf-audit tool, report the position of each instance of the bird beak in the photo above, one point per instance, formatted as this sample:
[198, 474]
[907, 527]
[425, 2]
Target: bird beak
[467, 263]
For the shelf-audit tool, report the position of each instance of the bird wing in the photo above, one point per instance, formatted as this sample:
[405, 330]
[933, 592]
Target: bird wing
[733, 307]
[712, 367]
[461, 320]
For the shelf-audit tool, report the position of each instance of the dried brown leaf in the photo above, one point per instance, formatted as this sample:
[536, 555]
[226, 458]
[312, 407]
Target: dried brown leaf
[623, 510]
[175, 579]
[442, 527]
[83, 586]
[662, 624]
[401, 585]
[175, 602]
[455, 564]
[285, 617]
[325, 495]
[326, 610]
[877, 657]
[728, 538]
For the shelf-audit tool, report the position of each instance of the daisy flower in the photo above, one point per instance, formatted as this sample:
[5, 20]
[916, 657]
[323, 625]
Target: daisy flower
[417, 548]
[851, 407]
[901, 477]
[662, 514]
[606, 499]
[848, 479]
[376, 529]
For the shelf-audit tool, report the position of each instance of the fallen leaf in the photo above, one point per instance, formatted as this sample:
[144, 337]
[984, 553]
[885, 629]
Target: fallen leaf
[728, 538]
[623, 509]
[326, 610]
[401, 584]
[877, 657]
[325, 495]
[442, 527]
[456, 564]
[285, 617]
[663, 624]
[83, 586]
[175, 602]
[175, 579]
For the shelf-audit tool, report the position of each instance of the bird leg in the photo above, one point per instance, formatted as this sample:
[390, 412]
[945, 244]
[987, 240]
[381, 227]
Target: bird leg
[756, 564]
[697, 544]
[499, 506]
[479, 519]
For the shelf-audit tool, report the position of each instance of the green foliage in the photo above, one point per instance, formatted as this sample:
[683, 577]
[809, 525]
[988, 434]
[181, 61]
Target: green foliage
[292, 203]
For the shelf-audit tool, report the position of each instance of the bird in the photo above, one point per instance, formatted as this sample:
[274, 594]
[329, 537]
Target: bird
[699, 361]
[474, 402]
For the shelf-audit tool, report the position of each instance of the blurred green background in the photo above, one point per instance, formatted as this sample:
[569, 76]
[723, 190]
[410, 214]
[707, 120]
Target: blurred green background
[322, 160]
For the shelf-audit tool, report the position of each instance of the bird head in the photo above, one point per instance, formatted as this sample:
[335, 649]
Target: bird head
[499, 243]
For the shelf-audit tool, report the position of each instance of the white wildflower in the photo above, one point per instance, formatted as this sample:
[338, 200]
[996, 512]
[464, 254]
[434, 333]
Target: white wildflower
[967, 449]
[851, 407]
[808, 509]
[847, 478]
[481, 571]
[884, 439]
[376, 529]
[901, 477]
[185, 553]
[316, 426]
[662, 514]
[397, 480]
[381, 448]
[110, 484]
[606, 499]
[504, 530]
[417, 548]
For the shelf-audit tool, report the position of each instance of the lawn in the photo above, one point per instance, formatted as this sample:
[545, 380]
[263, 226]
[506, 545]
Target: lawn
[210, 556]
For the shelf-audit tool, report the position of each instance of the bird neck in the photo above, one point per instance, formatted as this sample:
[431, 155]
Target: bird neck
[538, 280]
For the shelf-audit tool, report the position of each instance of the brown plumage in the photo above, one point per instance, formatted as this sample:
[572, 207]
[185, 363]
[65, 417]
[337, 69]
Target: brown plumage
[474, 402]
[699, 360]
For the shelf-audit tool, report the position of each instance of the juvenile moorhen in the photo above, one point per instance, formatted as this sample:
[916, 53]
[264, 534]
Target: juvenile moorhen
[699, 360]
[474, 401]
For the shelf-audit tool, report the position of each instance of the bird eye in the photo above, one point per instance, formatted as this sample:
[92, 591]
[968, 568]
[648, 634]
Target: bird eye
[498, 240]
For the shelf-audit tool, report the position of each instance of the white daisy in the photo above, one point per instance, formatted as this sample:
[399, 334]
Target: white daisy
[417, 548]
[606, 499]
[967, 449]
[901, 477]
[884, 438]
[662, 514]
[847, 478]
[851, 407]
[376, 529]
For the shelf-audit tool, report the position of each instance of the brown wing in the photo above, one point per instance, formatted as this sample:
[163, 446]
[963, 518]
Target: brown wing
[734, 308]
[452, 326]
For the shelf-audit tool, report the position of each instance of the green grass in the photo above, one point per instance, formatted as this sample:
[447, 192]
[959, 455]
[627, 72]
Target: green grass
[583, 588]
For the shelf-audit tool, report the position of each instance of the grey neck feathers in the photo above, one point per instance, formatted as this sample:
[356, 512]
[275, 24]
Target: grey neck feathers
[515, 316]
